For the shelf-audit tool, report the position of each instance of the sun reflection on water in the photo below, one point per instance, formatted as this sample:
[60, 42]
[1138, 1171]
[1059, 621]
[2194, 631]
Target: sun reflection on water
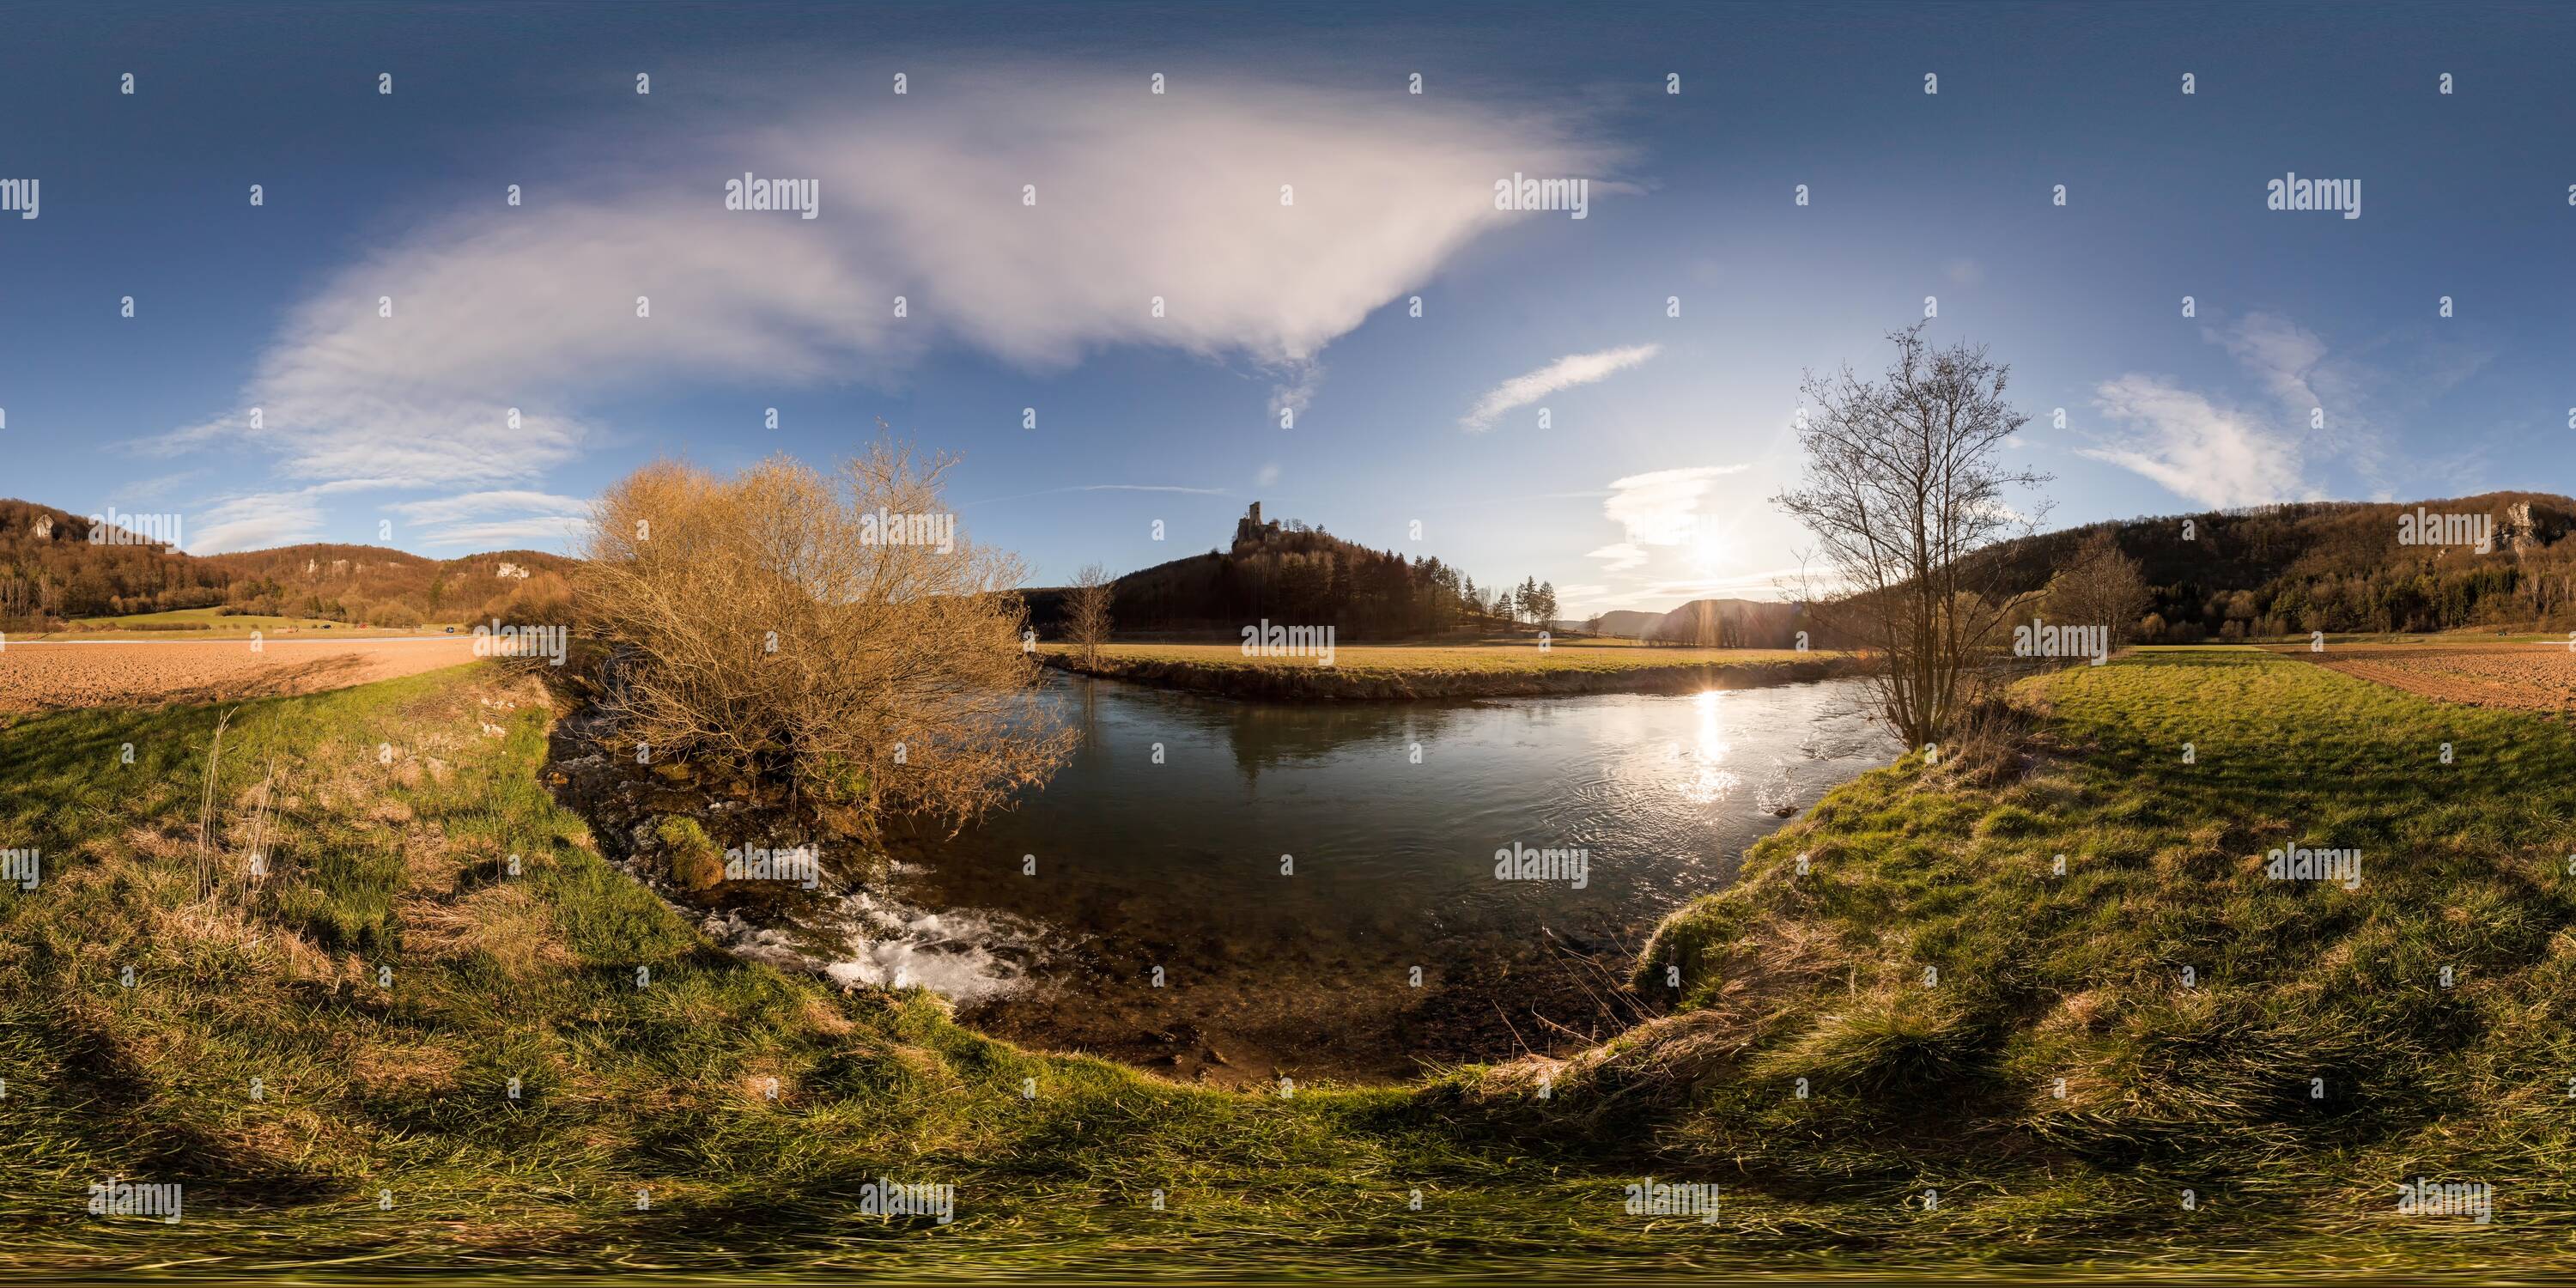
[1705, 780]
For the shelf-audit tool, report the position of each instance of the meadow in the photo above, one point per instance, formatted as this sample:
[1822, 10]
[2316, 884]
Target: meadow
[213, 623]
[324, 1054]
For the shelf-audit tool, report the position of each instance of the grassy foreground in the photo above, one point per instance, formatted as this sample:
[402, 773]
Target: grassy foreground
[383, 1137]
[2288, 1051]
[383, 1134]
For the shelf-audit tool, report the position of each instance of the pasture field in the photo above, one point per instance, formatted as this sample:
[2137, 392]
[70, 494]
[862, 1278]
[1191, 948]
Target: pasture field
[208, 623]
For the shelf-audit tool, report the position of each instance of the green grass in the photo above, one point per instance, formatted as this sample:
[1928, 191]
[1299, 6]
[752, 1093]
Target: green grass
[202, 617]
[211, 623]
[398, 1089]
[2203, 1084]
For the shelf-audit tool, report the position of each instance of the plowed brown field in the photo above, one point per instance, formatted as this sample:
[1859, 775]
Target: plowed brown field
[2531, 677]
[37, 677]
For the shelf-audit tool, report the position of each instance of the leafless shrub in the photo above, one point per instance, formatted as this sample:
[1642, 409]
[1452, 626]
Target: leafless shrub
[1087, 612]
[1902, 488]
[766, 625]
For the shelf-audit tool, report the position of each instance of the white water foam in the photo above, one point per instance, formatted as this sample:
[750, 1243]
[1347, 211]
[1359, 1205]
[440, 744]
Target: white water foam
[885, 943]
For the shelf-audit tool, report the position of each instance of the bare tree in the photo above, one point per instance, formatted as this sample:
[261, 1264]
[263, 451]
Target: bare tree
[2099, 587]
[831, 631]
[1087, 612]
[1902, 491]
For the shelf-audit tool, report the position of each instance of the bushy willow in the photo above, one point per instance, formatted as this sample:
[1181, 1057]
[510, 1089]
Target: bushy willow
[791, 624]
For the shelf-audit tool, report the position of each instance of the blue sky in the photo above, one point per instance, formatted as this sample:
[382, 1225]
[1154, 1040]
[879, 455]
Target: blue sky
[1666, 434]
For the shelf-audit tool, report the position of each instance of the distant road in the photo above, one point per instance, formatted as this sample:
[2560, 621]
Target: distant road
[40, 675]
[243, 641]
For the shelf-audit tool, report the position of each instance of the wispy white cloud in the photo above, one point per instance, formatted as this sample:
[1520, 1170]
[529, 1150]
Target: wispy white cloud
[1295, 390]
[448, 509]
[2279, 353]
[1658, 509]
[508, 325]
[1662, 508]
[2322, 406]
[1622, 556]
[255, 522]
[534, 516]
[501, 534]
[2366, 393]
[2195, 448]
[1565, 373]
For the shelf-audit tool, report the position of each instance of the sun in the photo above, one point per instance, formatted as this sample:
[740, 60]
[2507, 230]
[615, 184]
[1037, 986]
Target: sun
[1709, 550]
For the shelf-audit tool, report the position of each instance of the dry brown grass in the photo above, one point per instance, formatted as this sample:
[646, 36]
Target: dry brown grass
[506, 923]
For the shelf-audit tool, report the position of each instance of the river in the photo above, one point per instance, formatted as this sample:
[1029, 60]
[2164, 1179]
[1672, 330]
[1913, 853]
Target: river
[1238, 891]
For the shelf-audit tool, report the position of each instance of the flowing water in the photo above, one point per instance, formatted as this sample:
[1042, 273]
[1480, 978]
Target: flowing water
[1240, 891]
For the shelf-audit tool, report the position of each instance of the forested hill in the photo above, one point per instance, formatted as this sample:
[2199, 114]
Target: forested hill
[351, 582]
[52, 571]
[2337, 566]
[1291, 573]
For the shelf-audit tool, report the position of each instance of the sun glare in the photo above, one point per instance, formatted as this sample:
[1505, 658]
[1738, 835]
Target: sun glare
[1709, 550]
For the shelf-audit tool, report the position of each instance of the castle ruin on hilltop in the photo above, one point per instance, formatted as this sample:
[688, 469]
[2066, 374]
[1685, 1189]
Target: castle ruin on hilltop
[1250, 527]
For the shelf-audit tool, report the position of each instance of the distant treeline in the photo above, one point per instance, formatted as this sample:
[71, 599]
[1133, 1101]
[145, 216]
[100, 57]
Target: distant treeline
[51, 571]
[2336, 566]
[2281, 570]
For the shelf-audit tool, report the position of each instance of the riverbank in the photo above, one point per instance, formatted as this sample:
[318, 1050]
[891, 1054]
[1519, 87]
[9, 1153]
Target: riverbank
[2293, 967]
[324, 1057]
[1404, 672]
